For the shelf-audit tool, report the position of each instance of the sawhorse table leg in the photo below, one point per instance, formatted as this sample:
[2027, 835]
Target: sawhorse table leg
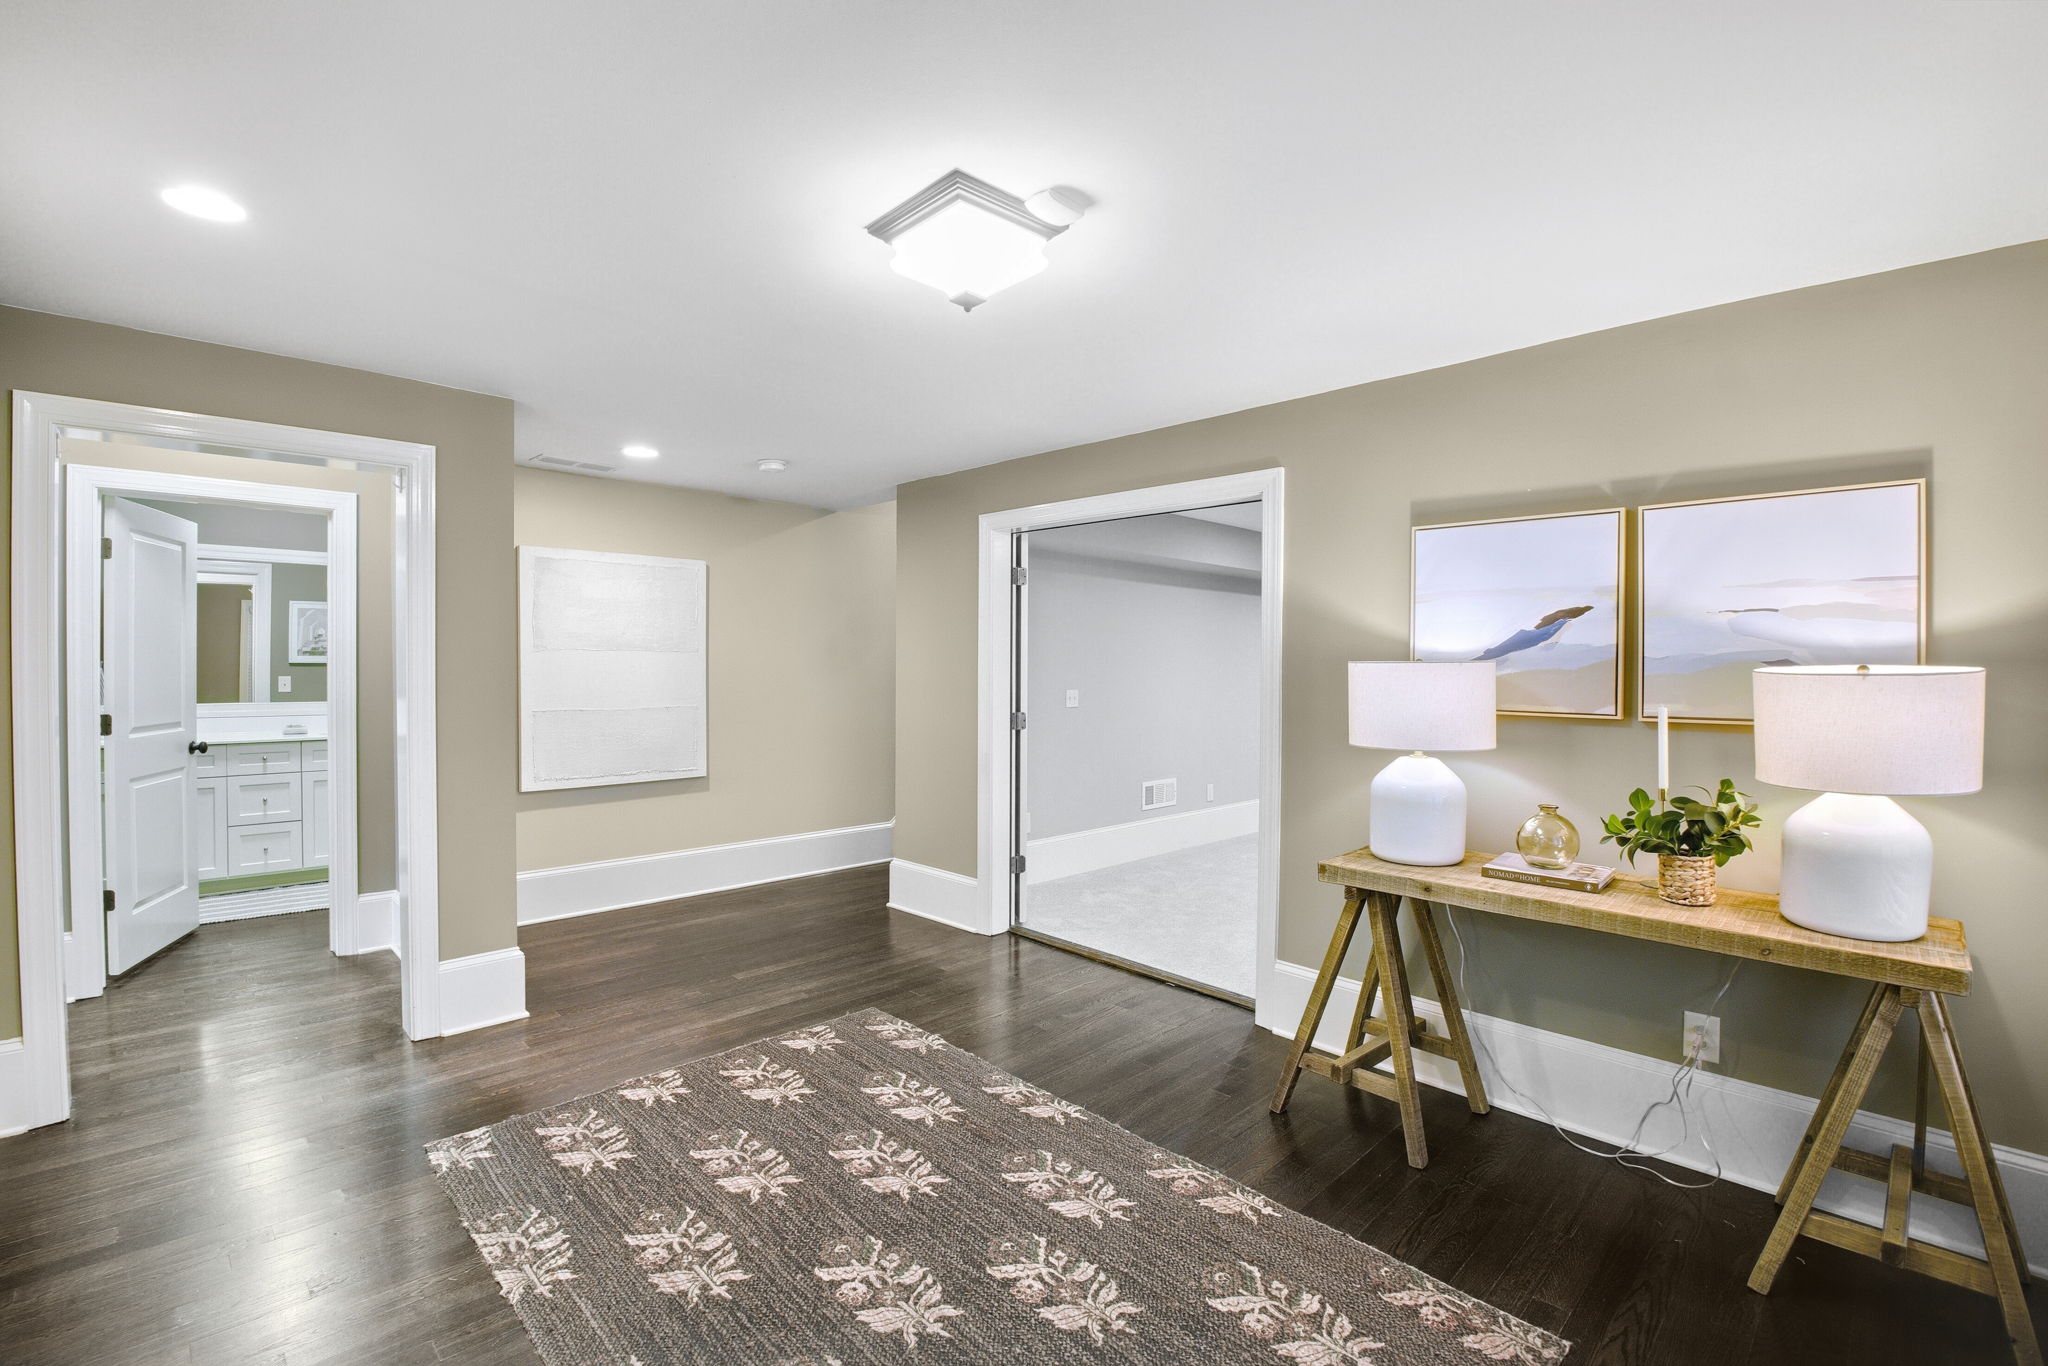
[1398, 1036]
[2002, 1272]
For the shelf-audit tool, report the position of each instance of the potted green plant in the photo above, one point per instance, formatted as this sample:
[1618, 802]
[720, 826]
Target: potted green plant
[1690, 838]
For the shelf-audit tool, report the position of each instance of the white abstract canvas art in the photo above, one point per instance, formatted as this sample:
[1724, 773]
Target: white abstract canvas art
[1539, 596]
[611, 669]
[1829, 576]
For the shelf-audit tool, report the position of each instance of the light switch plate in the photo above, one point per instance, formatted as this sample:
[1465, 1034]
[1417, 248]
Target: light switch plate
[284, 682]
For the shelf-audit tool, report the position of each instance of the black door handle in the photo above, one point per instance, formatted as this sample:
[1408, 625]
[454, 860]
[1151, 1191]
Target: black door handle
[196, 747]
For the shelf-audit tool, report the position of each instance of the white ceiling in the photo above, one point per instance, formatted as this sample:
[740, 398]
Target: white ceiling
[643, 220]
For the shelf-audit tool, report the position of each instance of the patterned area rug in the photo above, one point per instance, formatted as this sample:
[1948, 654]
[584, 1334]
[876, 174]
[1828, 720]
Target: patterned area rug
[861, 1191]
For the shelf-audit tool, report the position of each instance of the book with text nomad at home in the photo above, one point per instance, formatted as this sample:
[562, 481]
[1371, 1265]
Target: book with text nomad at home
[1579, 877]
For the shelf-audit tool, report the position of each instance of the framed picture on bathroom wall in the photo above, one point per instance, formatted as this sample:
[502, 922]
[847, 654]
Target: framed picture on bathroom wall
[1818, 576]
[1539, 596]
[307, 624]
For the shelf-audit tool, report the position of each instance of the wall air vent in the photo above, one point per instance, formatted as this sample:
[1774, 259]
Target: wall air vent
[561, 462]
[1157, 793]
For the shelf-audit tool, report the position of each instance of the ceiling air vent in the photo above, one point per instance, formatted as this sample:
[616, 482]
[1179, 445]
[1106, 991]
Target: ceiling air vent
[560, 462]
[1157, 793]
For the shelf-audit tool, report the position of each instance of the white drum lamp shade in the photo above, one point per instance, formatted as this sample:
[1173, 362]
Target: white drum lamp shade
[1856, 864]
[1418, 804]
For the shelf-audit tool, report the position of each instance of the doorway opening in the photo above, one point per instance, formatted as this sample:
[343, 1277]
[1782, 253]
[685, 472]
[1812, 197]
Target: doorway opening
[1138, 767]
[73, 458]
[215, 643]
[1131, 714]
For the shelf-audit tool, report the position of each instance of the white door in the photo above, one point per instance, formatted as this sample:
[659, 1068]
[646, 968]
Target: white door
[149, 657]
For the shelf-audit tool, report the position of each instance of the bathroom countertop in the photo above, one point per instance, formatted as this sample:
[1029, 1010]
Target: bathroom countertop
[257, 731]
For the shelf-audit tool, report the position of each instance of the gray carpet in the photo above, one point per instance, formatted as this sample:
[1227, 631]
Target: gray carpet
[862, 1193]
[1192, 913]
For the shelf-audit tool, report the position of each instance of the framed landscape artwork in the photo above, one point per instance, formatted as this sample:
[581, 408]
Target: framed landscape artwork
[1539, 596]
[1822, 576]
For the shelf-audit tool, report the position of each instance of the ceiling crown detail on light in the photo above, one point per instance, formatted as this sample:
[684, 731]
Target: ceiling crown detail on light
[967, 239]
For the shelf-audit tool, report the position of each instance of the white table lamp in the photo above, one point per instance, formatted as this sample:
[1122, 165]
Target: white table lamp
[1418, 804]
[1856, 864]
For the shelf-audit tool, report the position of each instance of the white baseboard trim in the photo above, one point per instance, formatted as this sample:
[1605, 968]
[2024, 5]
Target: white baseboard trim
[587, 888]
[1084, 851]
[482, 989]
[936, 894]
[15, 1115]
[1598, 1093]
[377, 922]
[300, 896]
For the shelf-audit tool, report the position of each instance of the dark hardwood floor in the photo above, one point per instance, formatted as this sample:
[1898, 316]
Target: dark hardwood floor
[243, 1180]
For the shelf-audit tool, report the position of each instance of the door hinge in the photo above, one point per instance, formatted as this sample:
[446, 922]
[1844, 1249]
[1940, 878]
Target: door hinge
[106, 724]
[106, 547]
[1016, 863]
[1016, 720]
[107, 898]
[1017, 575]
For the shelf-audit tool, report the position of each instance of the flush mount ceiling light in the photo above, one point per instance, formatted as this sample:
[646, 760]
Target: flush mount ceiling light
[201, 202]
[638, 452]
[967, 239]
[771, 465]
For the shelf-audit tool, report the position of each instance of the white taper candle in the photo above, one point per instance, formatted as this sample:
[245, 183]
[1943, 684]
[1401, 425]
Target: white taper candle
[1663, 753]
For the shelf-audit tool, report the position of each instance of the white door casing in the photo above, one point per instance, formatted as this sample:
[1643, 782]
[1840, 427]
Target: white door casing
[48, 564]
[149, 651]
[997, 649]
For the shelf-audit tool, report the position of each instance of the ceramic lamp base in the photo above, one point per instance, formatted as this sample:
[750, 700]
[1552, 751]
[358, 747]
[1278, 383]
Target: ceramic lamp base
[1860, 867]
[1418, 813]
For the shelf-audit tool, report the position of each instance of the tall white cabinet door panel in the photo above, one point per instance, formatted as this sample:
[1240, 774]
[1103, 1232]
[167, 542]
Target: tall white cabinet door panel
[317, 832]
[149, 646]
[210, 828]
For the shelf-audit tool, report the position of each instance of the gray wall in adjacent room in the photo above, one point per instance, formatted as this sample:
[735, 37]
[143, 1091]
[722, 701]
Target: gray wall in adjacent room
[1155, 621]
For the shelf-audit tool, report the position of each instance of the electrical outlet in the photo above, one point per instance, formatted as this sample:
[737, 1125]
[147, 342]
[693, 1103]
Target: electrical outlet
[284, 682]
[1709, 1028]
[1073, 697]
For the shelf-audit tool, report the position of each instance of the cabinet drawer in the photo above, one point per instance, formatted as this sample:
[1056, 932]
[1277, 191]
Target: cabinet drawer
[263, 801]
[210, 764]
[263, 849]
[261, 759]
[313, 755]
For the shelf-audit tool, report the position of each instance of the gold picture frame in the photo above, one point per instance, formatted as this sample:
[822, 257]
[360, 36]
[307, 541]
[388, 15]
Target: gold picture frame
[1785, 591]
[1474, 620]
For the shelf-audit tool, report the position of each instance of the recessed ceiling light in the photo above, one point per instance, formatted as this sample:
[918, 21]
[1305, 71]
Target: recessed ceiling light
[201, 202]
[771, 465]
[638, 452]
[967, 239]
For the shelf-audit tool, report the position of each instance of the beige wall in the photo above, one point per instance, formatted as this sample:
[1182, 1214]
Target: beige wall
[472, 434]
[376, 717]
[801, 663]
[1935, 370]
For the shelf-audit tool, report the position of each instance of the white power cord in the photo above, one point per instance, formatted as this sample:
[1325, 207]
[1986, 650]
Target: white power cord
[1628, 1154]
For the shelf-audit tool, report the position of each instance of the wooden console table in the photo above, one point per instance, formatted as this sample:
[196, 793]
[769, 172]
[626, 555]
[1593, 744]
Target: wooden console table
[1913, 977]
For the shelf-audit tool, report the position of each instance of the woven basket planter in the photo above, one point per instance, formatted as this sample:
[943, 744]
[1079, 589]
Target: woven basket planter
[1686, 880]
